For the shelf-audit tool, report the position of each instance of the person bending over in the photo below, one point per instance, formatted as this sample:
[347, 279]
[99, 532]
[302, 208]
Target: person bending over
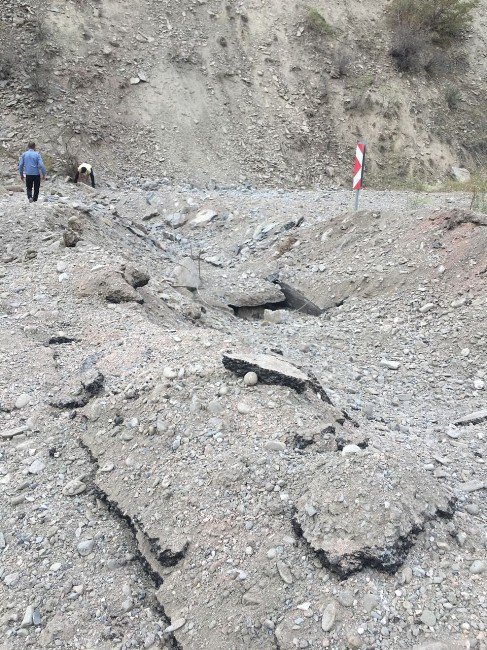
[83, 172]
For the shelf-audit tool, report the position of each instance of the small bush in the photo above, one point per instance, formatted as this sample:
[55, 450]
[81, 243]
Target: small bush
[40, 30]
[39, 81]
[407, 48]
[317, 22]
[6, 66]
[453, 97]
[341, 65]
[443, 20]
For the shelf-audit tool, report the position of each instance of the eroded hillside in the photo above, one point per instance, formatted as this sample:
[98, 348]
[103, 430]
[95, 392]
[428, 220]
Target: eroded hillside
[235, 91]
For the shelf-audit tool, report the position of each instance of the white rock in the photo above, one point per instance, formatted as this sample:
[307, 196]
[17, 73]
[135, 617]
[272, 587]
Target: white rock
[175, 625]
[74, 487]
[27, 620]
[427, 307]
[392, 365]
[460, 174]
[351, 449]
[22, 400]
[203, 217]
[251, 379]
[169, 373]
[479, 384]
[328, 618]
[275, 445]
[243, 408]
[36, 467]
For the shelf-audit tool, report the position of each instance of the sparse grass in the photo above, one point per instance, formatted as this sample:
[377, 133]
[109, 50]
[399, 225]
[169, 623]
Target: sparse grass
[39, 82]
[6, 66]
[423, 30]
[341, 64]
[453, 97]
[317, 22]
[443, 20]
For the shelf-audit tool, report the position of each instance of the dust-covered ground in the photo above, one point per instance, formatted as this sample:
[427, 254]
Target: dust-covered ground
[236, 419]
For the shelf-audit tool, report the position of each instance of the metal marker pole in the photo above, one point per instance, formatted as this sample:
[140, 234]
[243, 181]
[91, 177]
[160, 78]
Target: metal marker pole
[357, 199]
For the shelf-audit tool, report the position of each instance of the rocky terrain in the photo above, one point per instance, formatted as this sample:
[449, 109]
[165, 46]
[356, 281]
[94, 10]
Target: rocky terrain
[235, 419]
[271, 93]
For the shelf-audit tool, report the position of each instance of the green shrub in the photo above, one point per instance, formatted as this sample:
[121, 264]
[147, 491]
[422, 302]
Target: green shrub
[453, 97]
[316, 21]
[443, 20]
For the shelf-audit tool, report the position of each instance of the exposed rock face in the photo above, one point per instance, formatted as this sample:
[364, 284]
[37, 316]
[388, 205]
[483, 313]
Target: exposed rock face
[472, 418]
[254, 293]
[136, 277]
[272, 370]
[365, 510]
[111, 286]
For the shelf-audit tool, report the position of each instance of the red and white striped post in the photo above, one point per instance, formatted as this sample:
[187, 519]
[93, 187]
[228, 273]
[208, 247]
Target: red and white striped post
[358, 171]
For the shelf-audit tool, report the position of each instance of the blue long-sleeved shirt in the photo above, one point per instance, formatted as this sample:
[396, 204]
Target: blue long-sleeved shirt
[31, 164]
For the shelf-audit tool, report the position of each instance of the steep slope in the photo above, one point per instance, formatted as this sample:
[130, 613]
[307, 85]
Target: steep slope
[233, 91]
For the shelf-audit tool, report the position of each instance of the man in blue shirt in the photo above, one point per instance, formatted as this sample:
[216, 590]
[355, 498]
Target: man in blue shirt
[32, 166]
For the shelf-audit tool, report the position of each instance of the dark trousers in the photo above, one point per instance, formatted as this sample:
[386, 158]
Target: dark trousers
[33, 181]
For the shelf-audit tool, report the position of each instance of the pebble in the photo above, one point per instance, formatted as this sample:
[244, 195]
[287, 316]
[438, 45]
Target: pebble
[328, 618]
[175, 625]
[243, 408]
[27, 620]
[351, 449]
[22, 400]
[426, 308]
[85, 547]
[285, 573]
[169, 373]
[12, 579]
[74, 487]
[370, 602]
[36, 467]
[275, 445]
[428, 618]
[392, 365]
[478, 567]
[251, 379]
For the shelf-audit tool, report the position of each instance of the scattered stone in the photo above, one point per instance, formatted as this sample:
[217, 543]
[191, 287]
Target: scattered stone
[472, 418]
[275, 445]
[22, 401]
[203, 217]
[461, 174]
[27, 620]
[85, 547]
[74, 488]
[251, 379]
[478, 567]
[285, 573]
[175, 625]
[428, 618]
[329, 616]
[392, 365]
[36, 466]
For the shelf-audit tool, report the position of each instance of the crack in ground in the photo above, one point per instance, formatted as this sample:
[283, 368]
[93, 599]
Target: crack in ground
[148, 567]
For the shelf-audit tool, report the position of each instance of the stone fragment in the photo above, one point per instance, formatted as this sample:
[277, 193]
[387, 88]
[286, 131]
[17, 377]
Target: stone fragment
[71, 238]
[328, 617]
[251, 379]
[22, 400]
[136, 277]
[85, 547]
[275, 445]
[177, 624]
[428, 618]
[472, 418]
[391, 365]
[285, 573]
[460, 174]
[74, 487]
[186, 274]
[202, 218]
[27, 620]
[478, 567]
[272, 370]
[12, 433]
[355, 525]
[36, 466]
